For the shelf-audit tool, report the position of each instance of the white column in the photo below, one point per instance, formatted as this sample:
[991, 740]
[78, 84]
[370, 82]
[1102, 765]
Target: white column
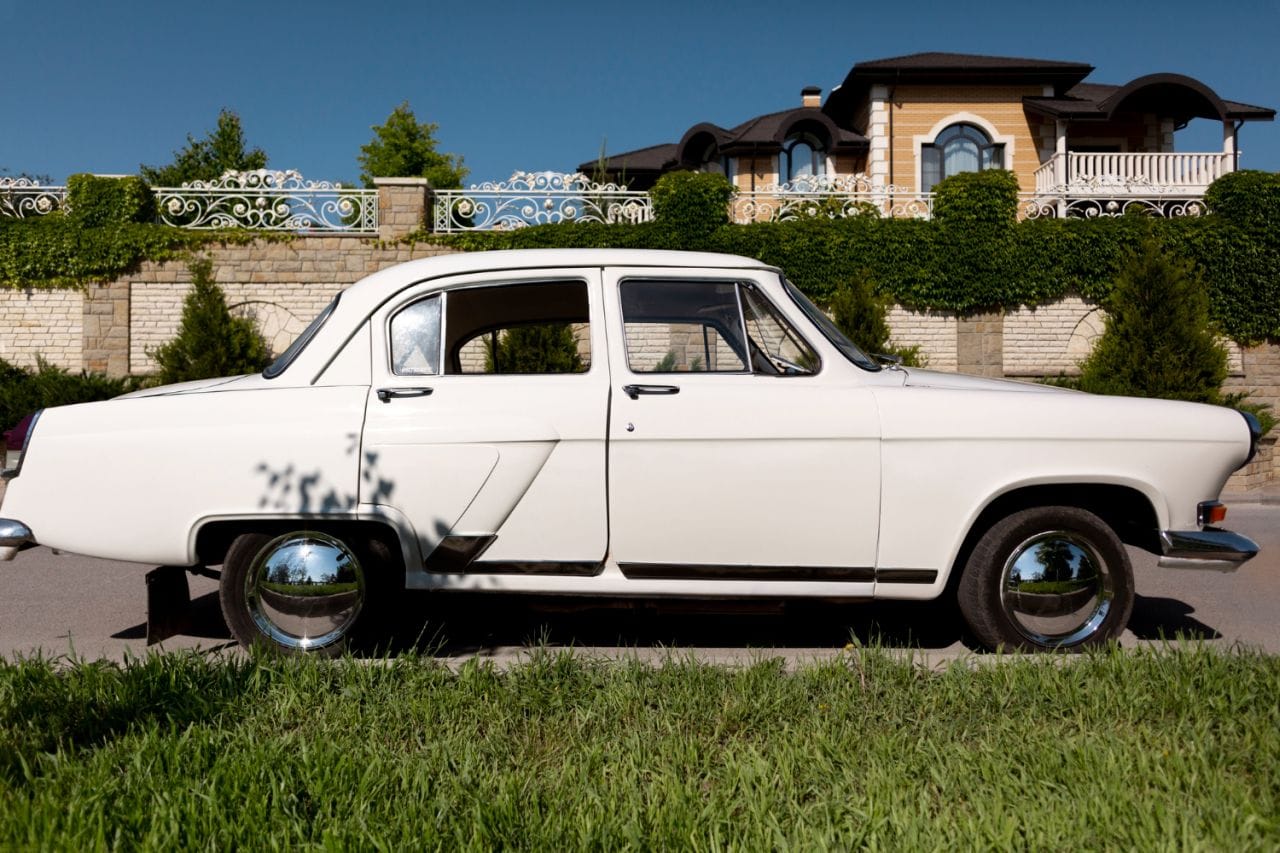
[1228, 146]
[878, 136]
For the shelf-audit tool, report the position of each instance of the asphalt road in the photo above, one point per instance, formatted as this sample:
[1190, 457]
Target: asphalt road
[61, 604]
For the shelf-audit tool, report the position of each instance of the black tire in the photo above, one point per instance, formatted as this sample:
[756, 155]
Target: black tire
[321, 603]
[1046, 578]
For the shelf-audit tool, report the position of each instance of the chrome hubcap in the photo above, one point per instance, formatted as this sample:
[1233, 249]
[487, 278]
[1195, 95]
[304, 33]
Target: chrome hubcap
[1056, 589]
[304, 590]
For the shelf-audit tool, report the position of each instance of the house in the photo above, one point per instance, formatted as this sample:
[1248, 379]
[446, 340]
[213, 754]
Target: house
[896, 127]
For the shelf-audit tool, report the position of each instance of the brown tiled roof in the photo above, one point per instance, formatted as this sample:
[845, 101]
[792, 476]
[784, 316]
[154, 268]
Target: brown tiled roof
[935, 61]
[948, 68]
[1100, 100]
[650, 159]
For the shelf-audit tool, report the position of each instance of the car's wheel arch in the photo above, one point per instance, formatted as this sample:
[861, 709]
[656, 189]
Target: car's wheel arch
[212, 539]
[1130, 509]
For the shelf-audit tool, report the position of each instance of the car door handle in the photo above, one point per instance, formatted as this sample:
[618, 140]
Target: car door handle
[634, 391]
[385, 394]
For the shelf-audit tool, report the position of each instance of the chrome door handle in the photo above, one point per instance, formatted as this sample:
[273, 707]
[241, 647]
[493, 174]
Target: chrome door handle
[634, 391]
[385, 394]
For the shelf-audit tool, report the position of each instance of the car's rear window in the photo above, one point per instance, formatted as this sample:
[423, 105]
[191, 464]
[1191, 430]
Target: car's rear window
[300, 343]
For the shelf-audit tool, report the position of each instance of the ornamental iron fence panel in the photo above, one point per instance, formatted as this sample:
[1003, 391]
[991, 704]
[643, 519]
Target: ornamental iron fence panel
[538, 198]
[269, 200]
[23, 197]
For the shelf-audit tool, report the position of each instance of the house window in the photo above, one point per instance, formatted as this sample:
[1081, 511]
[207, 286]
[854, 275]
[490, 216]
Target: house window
[803, 156]
[958, 148]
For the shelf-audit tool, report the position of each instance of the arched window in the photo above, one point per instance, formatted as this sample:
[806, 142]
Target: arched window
[958, 148]
[803, 156]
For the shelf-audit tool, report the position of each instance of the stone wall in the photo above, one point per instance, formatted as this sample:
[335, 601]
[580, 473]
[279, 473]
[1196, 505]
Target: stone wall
[46, 324]
[281, 284]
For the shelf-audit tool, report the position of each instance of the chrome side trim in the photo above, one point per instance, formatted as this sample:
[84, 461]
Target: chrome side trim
[14, 536]
[1213, 548]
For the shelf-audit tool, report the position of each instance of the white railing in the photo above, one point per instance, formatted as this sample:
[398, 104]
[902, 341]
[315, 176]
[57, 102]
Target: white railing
[538, 198]
[260, 199]
[269, 200]
[1132, 174]
[23, 197]
[829, 197]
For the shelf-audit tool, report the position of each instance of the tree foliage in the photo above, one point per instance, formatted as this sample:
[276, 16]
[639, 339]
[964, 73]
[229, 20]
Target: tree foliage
[403, 147]
[1159, 340]
[862, 314]
[206, 159]
[211, 341]
[540, 348]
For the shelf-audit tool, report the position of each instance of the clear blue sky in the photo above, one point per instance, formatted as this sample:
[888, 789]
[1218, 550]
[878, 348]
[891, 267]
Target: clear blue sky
[103, 86]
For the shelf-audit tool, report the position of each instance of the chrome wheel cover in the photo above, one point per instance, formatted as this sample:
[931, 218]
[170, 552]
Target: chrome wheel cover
[305, 590]
[1056, 589]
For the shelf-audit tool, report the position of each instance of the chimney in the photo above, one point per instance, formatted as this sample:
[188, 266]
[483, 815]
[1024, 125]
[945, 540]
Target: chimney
[811, 96]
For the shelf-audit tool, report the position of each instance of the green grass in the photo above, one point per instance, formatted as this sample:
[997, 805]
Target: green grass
[1116, 750]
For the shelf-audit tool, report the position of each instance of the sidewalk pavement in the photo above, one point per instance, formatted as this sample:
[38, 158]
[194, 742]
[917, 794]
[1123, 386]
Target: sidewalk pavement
[1269, 494]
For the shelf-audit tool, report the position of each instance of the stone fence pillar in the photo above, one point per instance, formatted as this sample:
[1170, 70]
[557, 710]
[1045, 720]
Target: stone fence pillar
[404, 206]
[980, 344]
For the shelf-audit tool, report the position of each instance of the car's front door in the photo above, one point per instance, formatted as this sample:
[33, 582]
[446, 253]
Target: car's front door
[734, 452]
[485, 423]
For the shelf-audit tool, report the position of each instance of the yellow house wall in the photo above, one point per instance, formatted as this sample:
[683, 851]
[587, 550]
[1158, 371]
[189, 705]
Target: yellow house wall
[917, 109]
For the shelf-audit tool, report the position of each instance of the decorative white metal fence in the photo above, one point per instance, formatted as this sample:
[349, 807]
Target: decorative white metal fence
[538, 198]
[269, 200]
[284, 201]
[23, 197]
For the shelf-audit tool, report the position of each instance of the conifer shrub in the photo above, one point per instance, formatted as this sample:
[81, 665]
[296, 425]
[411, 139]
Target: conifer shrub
[541, 348]
[1159, 340]
[211, 341]
[862, 314]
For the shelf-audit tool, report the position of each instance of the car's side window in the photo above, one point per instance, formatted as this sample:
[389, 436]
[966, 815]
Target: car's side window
[683, 327]
[530, 328]
[415, 338]
[776, 346]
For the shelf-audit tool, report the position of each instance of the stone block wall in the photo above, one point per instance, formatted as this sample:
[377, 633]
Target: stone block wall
[935, 332]
[46, 324]
[281, 284]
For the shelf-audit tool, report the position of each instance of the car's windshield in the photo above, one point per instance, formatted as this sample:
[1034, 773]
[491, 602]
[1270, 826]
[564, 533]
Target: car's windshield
[286, 358]
[829, 329]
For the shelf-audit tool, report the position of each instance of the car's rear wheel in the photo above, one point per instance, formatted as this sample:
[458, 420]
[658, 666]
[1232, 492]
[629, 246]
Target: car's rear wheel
[1047, 578]
[303, 591]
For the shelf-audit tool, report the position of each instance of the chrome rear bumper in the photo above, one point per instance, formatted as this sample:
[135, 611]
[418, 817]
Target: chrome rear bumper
[14, 536]
[1212, 548]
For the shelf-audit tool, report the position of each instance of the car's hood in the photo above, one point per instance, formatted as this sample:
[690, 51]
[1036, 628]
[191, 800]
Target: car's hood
[185, 387]
[917, 378]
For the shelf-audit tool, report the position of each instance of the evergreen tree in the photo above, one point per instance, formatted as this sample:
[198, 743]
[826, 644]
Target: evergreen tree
[211, 341]
[542, 348]
[206, 159]
[861, 313]
[1159, 340]
[403, 147]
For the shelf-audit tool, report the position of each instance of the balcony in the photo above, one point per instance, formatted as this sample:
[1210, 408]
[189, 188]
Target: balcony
[1077, 174]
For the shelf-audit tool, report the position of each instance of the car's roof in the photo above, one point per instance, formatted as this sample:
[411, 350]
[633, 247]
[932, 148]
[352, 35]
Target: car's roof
[366, 294]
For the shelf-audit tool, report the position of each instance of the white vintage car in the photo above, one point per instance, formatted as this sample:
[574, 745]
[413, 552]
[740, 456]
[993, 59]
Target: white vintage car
[626, 423]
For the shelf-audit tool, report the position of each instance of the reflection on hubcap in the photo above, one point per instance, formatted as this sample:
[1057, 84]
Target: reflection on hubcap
[304, 590]
[1056, 589]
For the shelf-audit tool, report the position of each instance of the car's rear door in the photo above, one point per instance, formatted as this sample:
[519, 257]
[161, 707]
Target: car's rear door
[729, 456]
[485, 424]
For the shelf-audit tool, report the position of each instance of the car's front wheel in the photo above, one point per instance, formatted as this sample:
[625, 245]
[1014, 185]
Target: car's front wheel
[1047, 578]
[303, 591]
